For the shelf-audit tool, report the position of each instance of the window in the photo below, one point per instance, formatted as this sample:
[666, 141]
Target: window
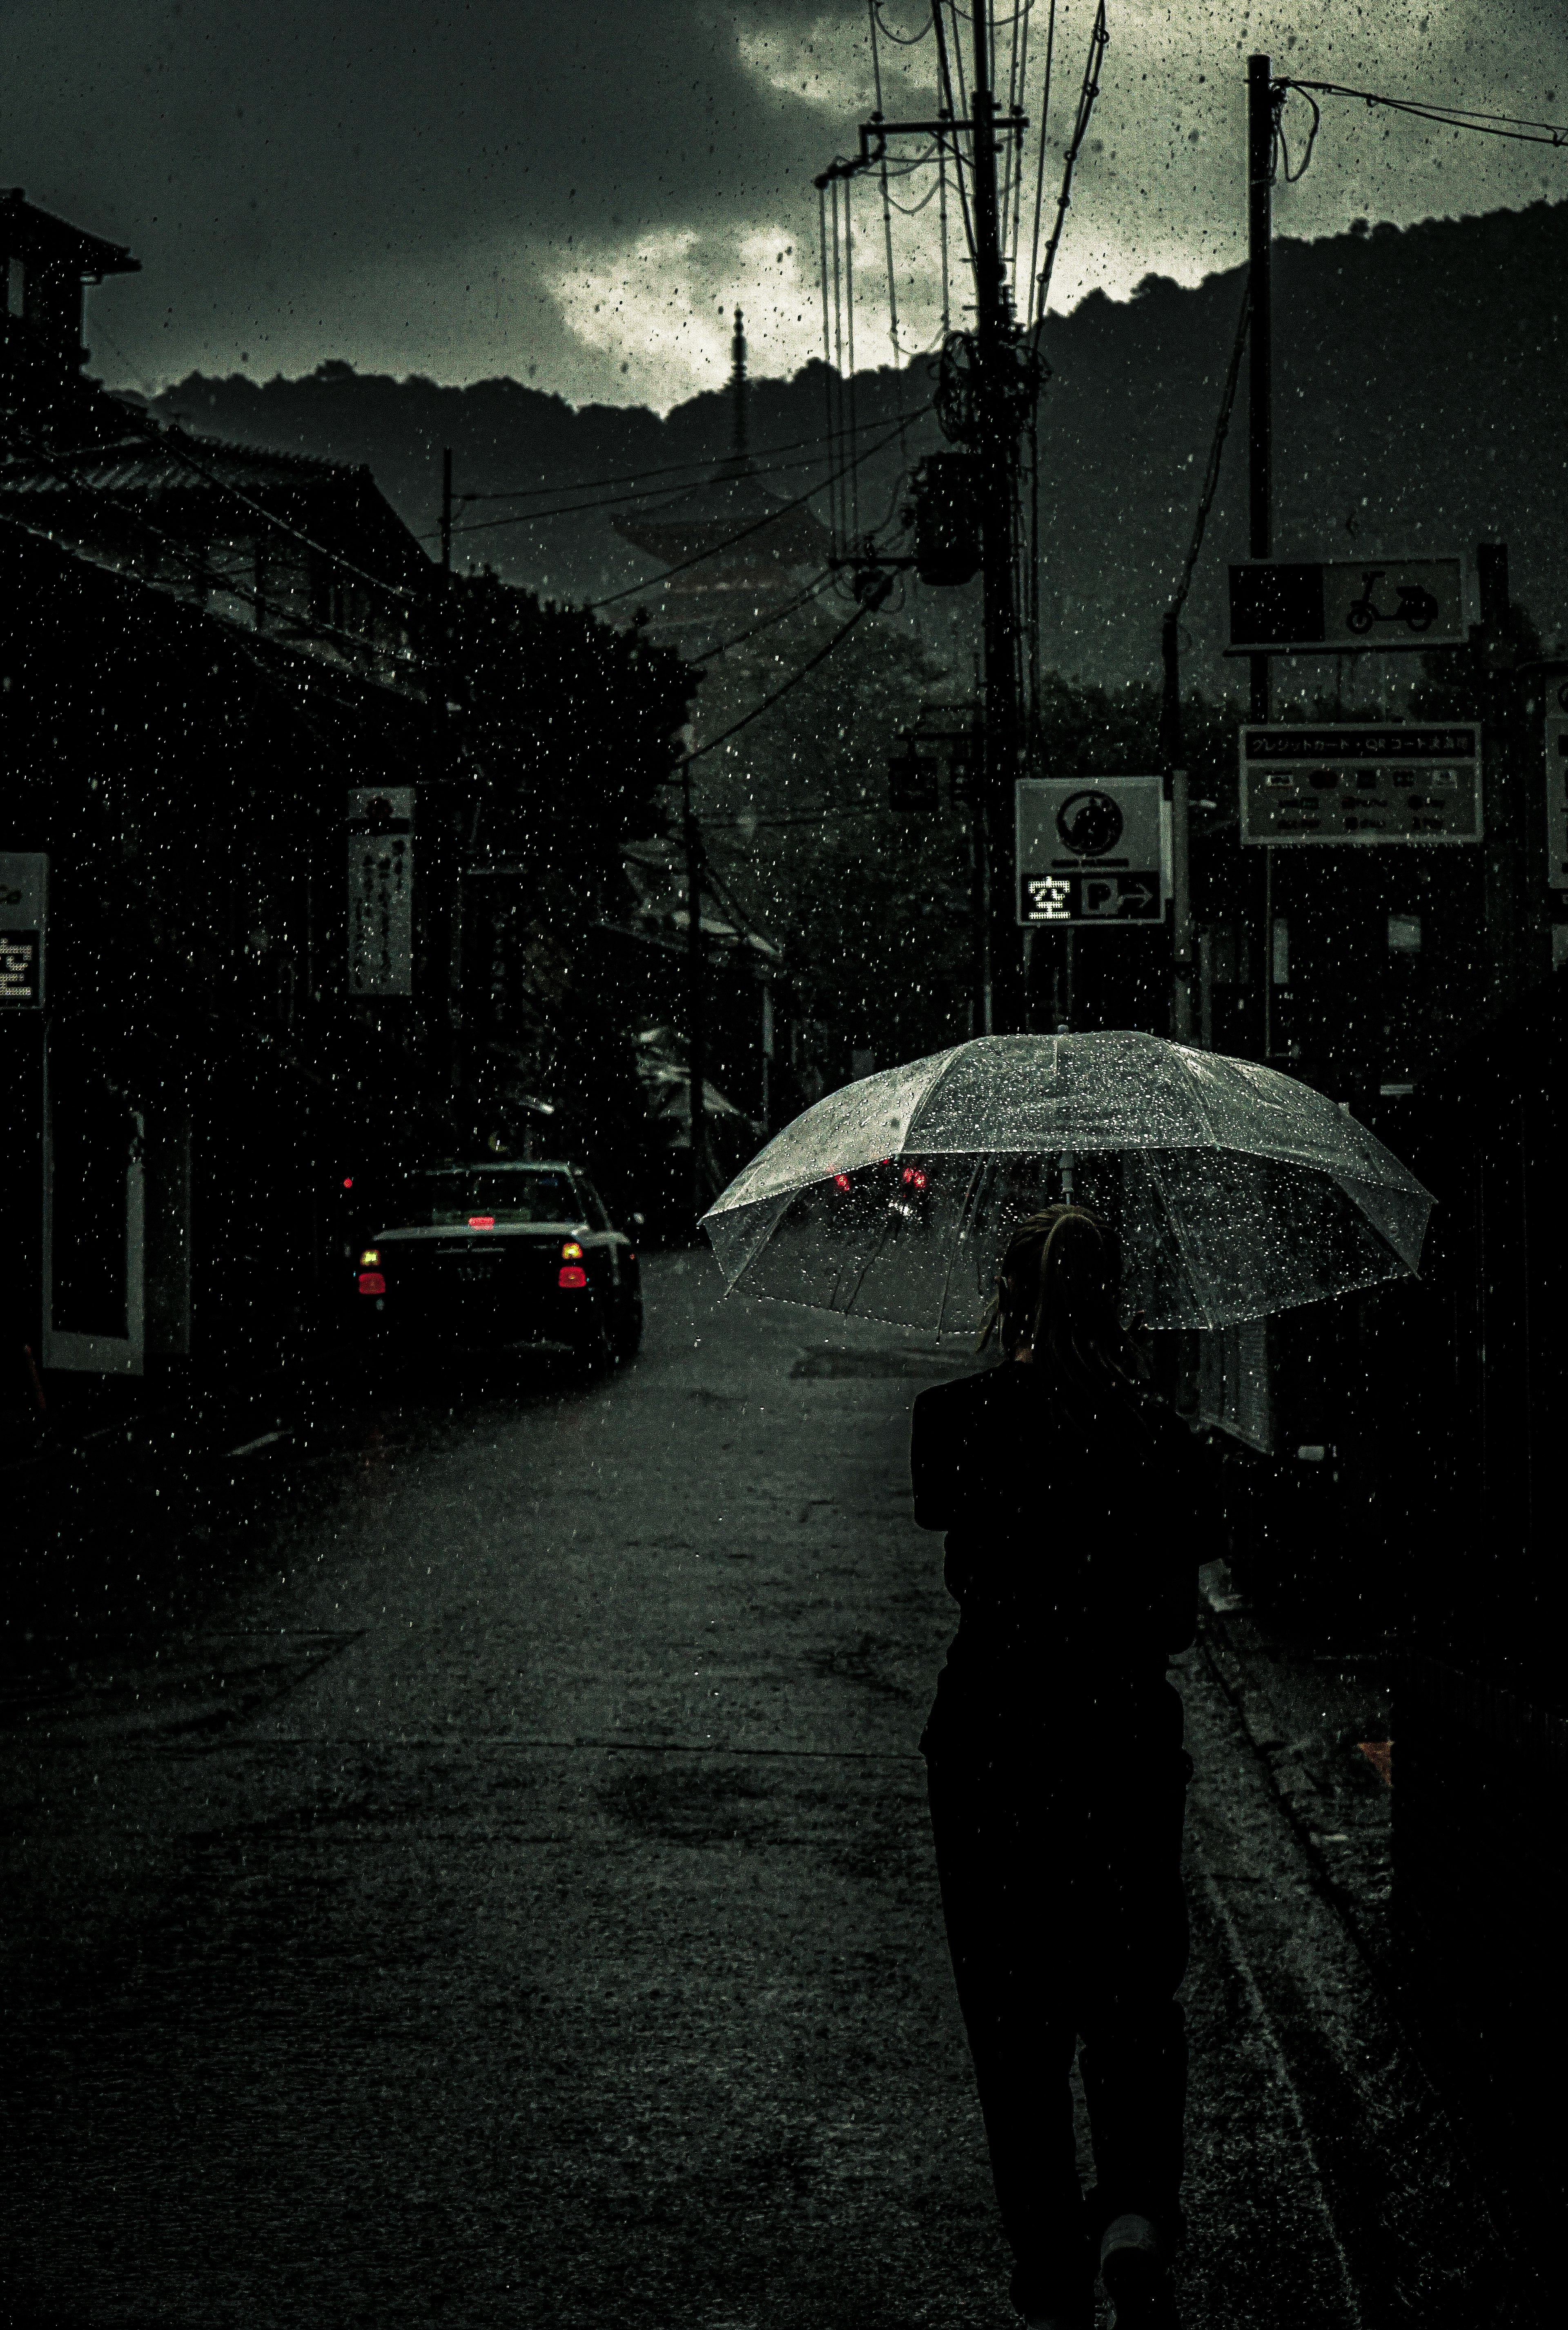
[15, 287]
[452, 1197]
[592, 1204]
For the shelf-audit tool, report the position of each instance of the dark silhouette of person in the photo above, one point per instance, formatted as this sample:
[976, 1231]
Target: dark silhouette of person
[1077, 1508]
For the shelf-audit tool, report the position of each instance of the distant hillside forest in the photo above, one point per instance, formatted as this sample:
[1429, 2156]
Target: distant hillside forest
[1422, 403]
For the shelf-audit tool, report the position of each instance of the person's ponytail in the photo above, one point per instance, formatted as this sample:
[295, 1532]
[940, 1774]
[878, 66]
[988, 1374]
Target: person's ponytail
[1058, 1296]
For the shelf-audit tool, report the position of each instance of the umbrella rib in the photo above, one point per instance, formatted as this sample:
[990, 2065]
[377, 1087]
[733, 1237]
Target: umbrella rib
[865, 1266]
[929, 1094]
[1188, 1261]
[958, 1237]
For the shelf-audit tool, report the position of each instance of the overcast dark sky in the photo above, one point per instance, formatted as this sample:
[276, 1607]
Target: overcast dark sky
[573, 190]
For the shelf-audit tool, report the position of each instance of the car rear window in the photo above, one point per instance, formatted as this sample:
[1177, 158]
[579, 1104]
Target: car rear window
[443, 1200]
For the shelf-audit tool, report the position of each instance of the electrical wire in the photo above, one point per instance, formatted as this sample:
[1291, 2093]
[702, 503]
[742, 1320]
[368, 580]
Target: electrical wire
[1040, 168]
[1293, 176]
[192, 557]
[768, 702]
[946, 91]
[1098, 41]
[629, 477]
[811, 817]
[729, 541]
[903, 40]
[164, 442]
[852, 392]
[819, 582]
[619, 501]
[1216, 449]
[1517, 127]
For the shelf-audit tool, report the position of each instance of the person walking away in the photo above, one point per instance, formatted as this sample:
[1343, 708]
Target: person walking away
[1077, 1509]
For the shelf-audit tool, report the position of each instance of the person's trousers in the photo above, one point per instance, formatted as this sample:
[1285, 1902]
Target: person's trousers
[1061, 1891]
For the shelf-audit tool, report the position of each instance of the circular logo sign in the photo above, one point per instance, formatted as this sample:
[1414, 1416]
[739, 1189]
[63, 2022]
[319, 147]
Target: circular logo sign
[1089, 823]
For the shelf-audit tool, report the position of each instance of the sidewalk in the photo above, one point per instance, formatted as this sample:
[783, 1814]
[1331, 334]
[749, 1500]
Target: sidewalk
[1295, 1856]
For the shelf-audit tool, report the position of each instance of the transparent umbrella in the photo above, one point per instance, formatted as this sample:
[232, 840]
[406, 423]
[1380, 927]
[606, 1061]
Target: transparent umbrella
[1237, 1190]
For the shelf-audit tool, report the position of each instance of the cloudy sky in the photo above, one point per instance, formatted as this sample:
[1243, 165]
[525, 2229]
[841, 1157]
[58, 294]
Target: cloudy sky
[574, 190]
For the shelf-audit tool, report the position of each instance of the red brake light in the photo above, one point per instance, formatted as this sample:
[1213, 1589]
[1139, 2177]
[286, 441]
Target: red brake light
[919, 1180]
[841, 1180]
[371, 1282]
[572, 1274]
[481, 1221]
[907, 1174]
[349, 1181]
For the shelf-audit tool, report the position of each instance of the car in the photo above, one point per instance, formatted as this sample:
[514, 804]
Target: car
[491, 1252]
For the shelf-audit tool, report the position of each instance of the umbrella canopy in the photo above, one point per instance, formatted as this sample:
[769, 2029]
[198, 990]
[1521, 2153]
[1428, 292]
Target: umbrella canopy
[1237, 1190]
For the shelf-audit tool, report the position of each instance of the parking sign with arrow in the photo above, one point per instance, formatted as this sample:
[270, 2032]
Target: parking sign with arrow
[1090, 850]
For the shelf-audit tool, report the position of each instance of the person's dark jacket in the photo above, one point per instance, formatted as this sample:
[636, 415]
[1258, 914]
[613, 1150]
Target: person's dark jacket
[1076, 1525]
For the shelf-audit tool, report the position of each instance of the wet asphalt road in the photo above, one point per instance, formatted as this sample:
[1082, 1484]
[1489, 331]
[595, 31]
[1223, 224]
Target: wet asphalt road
[472, 1869]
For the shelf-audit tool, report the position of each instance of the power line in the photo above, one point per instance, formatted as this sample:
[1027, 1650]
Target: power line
[1045, 129]
[397, 590]
[619, 501]
[199, 568]
[1098, 41]
[768, 702]
[813, 589]
[768, 518]
[1216, 449]
[1517, 126]
[812, 817]
[632, 476]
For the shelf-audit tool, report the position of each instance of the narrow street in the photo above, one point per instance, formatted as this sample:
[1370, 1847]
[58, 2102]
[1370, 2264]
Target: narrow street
[479, 1873]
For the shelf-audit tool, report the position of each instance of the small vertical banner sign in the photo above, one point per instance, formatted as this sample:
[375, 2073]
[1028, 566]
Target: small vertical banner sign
[24, 913]
[381, 890]
[1556, 795]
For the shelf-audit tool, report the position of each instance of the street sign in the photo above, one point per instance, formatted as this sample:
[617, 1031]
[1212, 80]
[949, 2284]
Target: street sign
[1557, 799]
[1091, 849]
[1281, 606]
[1377, 782]
[381, 890]
[23, 915]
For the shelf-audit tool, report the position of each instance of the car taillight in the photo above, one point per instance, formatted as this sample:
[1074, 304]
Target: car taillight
[914, 1178]
[572, 1274]
[841, 1180]
[920, 1180]
[481, 1221]
[371, 1282]
[572, 1251]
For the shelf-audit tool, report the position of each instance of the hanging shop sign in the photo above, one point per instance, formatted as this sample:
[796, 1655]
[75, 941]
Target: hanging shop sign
[1377, 782]
[380, 890]
[23, 915]
[1281, 606]
[1092, 849]
[1557, 799]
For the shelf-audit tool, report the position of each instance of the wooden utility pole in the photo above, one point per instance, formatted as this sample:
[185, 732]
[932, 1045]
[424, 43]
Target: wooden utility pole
[696, 999]
[996, 445]
[1173, 757]
[446, 510]
[1261, 339]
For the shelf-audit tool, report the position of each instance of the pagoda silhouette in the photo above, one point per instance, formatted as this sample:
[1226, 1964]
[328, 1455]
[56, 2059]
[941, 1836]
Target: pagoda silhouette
[735, 551]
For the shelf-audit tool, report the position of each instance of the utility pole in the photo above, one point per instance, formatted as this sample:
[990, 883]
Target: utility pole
[996, 445]
[696, 997]
[1175, 777]
[1260, 338]
[447, 511]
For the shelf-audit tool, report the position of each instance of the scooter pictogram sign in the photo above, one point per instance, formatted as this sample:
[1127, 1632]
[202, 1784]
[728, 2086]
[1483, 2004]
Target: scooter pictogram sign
[1281, 606]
